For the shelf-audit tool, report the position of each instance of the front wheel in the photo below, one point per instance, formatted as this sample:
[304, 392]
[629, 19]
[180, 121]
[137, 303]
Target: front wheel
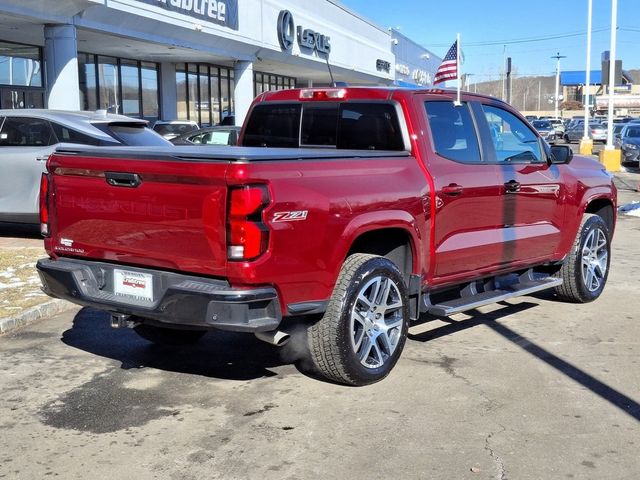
[586, 268]
[363, 331]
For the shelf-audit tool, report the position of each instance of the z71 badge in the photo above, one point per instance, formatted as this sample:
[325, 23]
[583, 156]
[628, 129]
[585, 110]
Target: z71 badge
[290, 216]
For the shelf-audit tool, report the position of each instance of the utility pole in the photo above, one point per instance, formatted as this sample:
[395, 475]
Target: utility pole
[539, 93]
[504, 65]
[557, 56]
[509, 79]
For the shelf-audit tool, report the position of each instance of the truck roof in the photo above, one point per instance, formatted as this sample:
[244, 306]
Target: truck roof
[359, 93]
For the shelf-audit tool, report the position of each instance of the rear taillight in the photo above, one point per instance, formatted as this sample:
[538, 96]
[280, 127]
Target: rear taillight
[44, 205]
[248, 236]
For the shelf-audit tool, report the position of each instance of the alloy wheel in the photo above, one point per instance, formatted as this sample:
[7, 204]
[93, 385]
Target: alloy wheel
[376, 321]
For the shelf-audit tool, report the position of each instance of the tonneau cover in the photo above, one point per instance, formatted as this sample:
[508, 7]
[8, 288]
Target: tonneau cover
[203, 153]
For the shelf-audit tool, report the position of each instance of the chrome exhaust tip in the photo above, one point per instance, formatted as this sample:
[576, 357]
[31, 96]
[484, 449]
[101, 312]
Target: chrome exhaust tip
[274, 337]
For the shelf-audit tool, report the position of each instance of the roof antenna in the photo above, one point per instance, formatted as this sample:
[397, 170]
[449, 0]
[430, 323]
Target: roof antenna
[333, 83]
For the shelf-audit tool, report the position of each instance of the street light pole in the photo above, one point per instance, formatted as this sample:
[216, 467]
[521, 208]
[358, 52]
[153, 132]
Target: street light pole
[587, 82]
[610, 157]
[557, 56]
[612, 73]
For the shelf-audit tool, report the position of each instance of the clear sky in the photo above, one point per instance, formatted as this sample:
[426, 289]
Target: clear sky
[434, 24]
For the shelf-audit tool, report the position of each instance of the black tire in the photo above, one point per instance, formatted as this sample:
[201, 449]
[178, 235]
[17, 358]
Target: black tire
[168, 336]
[582, 272]
[356, 312]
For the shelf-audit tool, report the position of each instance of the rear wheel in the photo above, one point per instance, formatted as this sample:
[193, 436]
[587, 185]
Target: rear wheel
[361, 335]
[585, 270]
[168, 336]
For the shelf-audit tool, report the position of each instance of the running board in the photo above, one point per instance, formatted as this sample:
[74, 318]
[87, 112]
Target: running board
[485, 298]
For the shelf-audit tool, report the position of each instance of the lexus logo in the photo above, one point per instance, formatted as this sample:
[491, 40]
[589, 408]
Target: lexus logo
[286, 29]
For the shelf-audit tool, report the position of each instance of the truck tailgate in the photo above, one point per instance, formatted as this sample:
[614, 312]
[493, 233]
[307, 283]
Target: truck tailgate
[160, 213]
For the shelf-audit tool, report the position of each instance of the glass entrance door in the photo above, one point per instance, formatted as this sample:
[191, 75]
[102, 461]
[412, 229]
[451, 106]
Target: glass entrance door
[12, 97]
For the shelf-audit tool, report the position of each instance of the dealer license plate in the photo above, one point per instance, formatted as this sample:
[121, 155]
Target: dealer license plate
[133, 284]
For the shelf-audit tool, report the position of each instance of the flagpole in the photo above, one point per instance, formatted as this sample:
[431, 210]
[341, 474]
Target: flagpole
[458, 71]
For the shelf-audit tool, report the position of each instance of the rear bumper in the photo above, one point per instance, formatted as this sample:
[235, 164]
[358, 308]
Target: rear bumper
[179, 300]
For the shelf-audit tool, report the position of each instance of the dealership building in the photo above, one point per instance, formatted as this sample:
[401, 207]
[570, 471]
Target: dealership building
[202, 60]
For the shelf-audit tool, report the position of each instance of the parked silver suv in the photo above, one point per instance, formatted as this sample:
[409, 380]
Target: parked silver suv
[28, 137]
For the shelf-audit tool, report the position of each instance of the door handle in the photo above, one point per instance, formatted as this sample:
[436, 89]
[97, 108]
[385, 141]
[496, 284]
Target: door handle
[123, 179]
[452, 189]
[512, 186]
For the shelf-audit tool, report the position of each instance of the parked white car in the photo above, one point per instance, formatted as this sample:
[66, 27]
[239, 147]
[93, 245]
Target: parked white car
[28, 137]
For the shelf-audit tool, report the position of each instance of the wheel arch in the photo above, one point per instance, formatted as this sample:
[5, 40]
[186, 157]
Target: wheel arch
[604, 208]
[394, 243]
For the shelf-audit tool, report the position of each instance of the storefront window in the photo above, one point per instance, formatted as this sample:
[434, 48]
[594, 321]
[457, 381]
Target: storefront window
[263, 82]
[88, 85]
[109, 99]
[224, 93]
[181, 84]
[149, 84]
[130, 75]
[214, 83]
[192, 82]
[20, 65]
[207, 92]
[204, 106]
[117, 85]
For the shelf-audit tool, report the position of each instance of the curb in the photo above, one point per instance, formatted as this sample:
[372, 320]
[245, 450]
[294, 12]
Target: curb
[33, 314]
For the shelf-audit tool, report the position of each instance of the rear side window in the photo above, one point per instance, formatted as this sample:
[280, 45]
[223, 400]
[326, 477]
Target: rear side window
[68, 135]
[133, 135]
[273, 126]
[453, 131]
[358, 126]
[26, 132]
[369, 126]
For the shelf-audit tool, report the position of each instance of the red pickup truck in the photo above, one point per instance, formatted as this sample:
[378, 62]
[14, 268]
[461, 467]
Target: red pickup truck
[350, 210]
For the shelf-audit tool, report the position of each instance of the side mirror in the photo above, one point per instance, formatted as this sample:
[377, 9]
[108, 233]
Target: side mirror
[560, 154]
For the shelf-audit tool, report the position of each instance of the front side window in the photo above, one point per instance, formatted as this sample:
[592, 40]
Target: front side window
[512, 139]
[453, 131]
[26, 132]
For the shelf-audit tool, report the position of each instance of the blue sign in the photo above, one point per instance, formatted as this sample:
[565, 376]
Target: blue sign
[222, 12]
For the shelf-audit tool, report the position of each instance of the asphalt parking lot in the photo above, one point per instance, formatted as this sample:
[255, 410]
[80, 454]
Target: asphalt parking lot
[527, 389]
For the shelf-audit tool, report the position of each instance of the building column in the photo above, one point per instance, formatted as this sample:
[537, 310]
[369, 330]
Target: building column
[61, 59]
[243, 95]
[168, 91]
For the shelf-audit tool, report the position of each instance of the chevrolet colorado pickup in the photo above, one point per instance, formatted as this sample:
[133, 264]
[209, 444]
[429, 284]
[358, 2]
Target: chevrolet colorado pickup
[350, 210]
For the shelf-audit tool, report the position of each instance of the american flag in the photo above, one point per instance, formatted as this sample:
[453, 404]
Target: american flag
[448, 69]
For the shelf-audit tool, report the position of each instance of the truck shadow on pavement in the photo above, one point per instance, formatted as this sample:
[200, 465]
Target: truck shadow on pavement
[222, 355]
[491, 320]
[20, 230]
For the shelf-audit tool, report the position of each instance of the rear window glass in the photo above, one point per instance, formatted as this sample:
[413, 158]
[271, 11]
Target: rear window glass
[68, 135]
[174, 128]
[358, 126]
[133, 135]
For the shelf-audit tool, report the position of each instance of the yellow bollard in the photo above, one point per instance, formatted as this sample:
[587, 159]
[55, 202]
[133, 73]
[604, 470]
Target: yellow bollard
[586, 146]
[611, 159]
